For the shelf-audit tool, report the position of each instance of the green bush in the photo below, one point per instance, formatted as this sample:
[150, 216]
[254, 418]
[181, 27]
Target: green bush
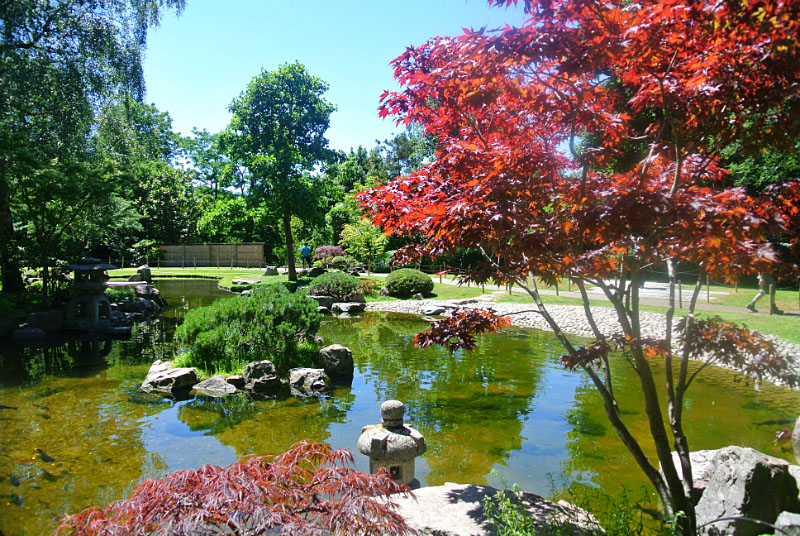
[369, 287]
[271, 323]
[406, 282]
[342, 262]
[121, 294]
[334, 284]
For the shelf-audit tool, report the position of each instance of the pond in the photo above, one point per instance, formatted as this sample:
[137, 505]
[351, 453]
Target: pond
[506, 412]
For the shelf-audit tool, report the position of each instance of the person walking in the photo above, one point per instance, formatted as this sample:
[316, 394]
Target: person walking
[305, 255]
[764, 282]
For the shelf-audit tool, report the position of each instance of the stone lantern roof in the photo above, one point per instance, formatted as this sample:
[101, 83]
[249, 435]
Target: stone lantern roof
[90, 264]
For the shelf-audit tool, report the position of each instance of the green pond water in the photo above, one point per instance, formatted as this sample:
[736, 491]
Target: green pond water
[506, 412]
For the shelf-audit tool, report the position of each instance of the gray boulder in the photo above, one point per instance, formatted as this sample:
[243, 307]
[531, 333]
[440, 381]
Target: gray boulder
[307, 381]
[356, 297]
[171, 381]
[144, 274]
[270, 271]
[457, 510]
[348, 307]
[47, 321]
[245, 281]
[237, 381]
[433, 310]
[135, 278]
[745, 482]
[151, 293]
[316, 270]
[789, 523]
[418, 296]
[261, 377]
[323, 301]
[336, 360]
[216, 386]
[323, 310]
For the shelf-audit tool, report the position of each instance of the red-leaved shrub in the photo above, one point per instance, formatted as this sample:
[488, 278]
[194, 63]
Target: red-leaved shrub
[308, 490]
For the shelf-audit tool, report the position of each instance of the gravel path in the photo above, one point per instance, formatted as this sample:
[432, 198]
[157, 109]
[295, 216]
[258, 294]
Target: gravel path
[571, 318]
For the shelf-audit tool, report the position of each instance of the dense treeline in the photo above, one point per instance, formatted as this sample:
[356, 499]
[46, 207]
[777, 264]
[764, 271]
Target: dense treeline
[87, 167]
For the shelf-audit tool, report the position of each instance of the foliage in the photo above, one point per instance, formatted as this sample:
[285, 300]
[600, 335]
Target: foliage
[271, 323]
[513, 179]
[146, 250]
[334, 284]
[364, 240]
[120, 294]
[406, 282]
[60, 62]
[507, 516]
[170, 207]
[326, 252]
[308, 490]
[344, 262]
[369, 287]
[278, 133]
[459, 329]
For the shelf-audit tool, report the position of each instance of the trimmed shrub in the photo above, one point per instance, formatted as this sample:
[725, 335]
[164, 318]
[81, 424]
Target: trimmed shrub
[342, 262]
[406, 282]
[334, 284]
[271, 323]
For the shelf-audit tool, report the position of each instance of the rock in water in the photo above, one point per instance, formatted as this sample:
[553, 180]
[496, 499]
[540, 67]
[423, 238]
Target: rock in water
[171, 381]
[307, 381]
[261, 377]
[745, 482]
[216, 386]
[337, 360]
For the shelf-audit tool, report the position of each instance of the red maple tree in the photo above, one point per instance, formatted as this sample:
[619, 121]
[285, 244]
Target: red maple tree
[308, 490]
[584, 145]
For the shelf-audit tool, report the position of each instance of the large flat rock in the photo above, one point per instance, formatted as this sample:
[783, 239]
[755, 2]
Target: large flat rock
[457, 510]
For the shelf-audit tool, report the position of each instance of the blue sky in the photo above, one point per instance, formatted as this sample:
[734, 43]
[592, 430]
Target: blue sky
[197, 63]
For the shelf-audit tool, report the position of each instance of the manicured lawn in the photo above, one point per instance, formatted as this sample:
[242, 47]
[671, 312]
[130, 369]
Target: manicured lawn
[785, 326]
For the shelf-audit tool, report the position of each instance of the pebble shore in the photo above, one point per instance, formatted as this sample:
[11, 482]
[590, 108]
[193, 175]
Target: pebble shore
[571, 318]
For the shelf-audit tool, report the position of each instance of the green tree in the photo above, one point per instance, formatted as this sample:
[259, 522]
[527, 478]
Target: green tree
[364, 241]
[60, 61]
[278, 133]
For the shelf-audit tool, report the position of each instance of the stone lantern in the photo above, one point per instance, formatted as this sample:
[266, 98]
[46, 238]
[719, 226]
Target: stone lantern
[391, 444]
[89, 309]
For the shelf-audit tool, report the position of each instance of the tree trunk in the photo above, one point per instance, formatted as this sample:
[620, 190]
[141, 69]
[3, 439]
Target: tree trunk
[287, 231]
[9, 266]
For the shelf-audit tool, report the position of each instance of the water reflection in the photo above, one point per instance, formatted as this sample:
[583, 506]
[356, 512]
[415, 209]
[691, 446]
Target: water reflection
[508, 407]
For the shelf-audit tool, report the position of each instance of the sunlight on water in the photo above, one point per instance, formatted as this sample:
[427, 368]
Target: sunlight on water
[506, 412]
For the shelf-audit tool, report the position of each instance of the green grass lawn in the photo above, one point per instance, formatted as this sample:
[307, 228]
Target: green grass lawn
[785, 326]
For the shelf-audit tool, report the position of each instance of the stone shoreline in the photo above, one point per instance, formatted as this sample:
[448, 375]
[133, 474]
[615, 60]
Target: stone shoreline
[571, 318]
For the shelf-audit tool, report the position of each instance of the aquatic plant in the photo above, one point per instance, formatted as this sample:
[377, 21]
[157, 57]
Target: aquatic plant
[271, 323]
[308, 490]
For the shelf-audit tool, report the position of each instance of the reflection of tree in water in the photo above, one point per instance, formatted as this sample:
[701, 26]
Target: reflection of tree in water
[720, 410]
[469, 406]
[266, 426]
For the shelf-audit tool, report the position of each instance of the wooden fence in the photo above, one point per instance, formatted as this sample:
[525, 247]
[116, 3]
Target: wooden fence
[247, 255]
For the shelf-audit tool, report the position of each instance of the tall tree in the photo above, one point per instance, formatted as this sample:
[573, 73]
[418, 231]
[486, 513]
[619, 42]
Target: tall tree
[691, 78]
[59, 61]
[278, 133]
